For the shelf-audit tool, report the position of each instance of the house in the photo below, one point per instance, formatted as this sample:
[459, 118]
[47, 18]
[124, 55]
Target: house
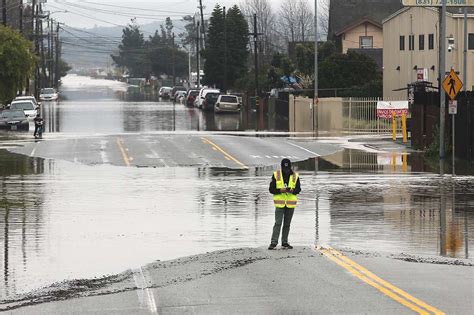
[356, 15]
[357, 25]
[363, 34]
[410, 48]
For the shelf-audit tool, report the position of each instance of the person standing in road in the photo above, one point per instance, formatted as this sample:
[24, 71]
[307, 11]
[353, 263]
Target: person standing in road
[285, 186]
[39, 122]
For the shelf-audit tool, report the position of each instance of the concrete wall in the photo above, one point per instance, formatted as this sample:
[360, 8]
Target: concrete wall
[350, 39]
[330, 115]
[416, 21]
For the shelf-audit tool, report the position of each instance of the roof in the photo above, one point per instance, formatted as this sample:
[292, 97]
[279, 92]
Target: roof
[357, 23]
[343, 13]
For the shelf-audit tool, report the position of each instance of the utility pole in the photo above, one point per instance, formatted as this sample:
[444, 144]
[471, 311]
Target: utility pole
[464, 79]
[255, 41]
[58, 47]
[173, 62]
[35, 32]
[225, 52]
[51, 54]
[21, 16]
[198, 66]
[43, 59]
[465, 50]
[203, 31]
[48, 60]
[316, 96]
[4, 12]
[442, 73]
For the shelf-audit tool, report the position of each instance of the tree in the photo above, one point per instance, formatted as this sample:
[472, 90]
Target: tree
[226, 50]
[323, 18]
[132, 51]
[214, 52]
[265, 26]
[348, 71]
[17, 62]
[164, 54]
[296, 20]
[237, 43]
[281, 66]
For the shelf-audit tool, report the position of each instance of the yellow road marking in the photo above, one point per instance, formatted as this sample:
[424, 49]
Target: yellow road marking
[385, 283]
[125, 156]
[383, 286]
[226, 155]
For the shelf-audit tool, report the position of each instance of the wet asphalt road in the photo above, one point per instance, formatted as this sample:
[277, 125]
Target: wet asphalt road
[103, 192]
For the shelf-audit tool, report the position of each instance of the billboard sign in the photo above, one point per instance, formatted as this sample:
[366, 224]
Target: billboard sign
[438, 3]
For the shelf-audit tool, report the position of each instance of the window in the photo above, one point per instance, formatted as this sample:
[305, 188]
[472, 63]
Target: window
[411, 42]
[470, 42]
[366, 42]
[421, 42]
[402, 42]
[431, 41]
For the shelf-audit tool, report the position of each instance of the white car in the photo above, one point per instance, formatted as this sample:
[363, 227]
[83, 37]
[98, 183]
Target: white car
[202, 96]
[26, 106]
[27, 98]
[48, 94]
[165, 92]
[179, 96]
[227, 103]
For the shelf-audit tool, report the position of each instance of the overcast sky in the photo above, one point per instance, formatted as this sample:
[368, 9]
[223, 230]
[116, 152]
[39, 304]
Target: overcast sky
[89, 13]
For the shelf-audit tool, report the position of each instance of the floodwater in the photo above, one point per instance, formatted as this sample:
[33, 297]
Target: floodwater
[61, 220]
[80, 112]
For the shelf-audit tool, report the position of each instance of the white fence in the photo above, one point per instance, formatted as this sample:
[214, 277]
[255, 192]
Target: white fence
[335, 116]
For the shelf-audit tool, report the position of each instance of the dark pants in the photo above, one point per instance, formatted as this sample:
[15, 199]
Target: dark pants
[282, 215]
[37, 128]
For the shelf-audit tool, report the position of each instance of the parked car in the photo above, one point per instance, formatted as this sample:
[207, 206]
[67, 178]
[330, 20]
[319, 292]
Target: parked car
[48, 94]
[210, 100]
[26, 106]
[179, 96]
[227, 103]
[202, 96]
[190, 97]
[165, 92]
[13, 119]
[28, 98]
[176, 89]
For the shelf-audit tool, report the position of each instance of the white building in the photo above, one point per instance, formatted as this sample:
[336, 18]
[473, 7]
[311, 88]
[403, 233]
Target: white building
[410, 47]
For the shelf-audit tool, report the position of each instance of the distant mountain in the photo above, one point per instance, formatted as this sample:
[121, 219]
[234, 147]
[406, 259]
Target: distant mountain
[89, 48]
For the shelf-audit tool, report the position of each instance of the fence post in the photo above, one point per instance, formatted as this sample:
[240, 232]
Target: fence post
[377, 117]
[350, 114]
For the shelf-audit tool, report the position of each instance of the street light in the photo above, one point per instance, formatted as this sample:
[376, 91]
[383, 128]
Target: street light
[451, 44]
[47, 14]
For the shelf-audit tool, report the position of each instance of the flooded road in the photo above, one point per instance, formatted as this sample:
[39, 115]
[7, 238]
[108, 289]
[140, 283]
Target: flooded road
[62, 219]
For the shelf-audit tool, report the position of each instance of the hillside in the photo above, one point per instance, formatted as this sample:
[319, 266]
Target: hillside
[88, 48]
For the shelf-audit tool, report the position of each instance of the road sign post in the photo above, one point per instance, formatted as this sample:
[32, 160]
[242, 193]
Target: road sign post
[452, 85]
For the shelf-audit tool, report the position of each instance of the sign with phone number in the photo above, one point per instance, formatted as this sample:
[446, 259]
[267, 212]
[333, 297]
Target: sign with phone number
[438, 3]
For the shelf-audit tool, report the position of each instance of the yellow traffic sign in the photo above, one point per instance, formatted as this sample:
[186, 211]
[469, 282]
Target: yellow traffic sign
[452, 84]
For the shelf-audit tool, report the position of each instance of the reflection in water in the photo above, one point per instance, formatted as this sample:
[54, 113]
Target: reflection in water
[20, 220]
[101, 106]
[66, 221]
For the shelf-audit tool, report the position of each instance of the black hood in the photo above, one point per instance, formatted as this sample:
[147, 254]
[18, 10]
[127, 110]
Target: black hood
[286, 165]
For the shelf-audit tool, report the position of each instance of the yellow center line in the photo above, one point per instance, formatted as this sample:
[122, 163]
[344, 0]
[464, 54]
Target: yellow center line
[383, 286]
[385, 283]
[226, 155]
[125, 156]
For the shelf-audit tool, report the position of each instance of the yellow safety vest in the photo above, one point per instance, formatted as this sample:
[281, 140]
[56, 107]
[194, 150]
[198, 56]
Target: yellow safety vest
[288, 200]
